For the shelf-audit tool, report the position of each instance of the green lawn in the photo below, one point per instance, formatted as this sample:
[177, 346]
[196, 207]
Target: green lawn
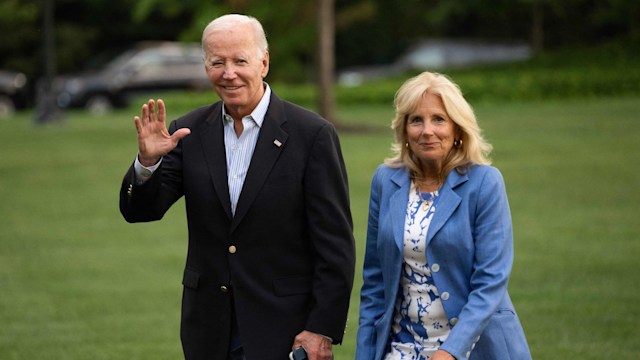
[78, 282]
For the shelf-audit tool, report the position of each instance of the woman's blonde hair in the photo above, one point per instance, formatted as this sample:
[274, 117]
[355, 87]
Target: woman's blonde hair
[472, 149]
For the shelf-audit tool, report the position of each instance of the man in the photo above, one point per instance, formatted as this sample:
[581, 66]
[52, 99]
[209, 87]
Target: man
[271, 252]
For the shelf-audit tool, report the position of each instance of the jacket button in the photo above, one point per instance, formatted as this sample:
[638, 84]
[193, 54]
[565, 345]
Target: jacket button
[435, 267]
[224, 289]
[232, 249]
[444, 296]
[453, 321]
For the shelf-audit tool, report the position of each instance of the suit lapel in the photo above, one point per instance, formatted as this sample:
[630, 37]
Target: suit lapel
[270, 143]
[398, 205]
[212, 140]
[447, 203]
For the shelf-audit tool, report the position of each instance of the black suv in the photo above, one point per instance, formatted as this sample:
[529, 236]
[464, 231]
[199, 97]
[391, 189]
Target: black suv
[149, 66]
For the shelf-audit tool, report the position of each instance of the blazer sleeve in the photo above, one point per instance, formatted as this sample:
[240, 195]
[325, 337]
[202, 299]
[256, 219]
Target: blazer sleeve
[331, 232]
[492, 262]
[372, 291]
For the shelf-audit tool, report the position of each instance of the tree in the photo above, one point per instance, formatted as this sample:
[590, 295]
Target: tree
[20, 24]
[290, 28]
[326, 50]
[366, 31]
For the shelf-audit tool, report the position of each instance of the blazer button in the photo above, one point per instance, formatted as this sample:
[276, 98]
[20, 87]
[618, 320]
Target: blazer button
[435, 267]
[444, 296]
[232, 249]
[224, 289]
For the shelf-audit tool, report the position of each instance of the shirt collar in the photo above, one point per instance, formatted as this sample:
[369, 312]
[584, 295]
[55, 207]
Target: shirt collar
[259, 112]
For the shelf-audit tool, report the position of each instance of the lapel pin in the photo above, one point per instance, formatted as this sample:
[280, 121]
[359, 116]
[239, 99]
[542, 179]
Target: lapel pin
[277, 142]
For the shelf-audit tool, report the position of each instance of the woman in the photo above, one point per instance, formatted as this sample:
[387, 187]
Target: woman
[439, 239]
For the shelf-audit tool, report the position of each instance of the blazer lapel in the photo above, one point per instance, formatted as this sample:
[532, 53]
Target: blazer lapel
[212, 140]
[398, 205]
[271, 141]
[447, 203]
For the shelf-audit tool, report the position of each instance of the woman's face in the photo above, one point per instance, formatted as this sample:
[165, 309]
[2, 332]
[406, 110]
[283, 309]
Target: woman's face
[430, 131]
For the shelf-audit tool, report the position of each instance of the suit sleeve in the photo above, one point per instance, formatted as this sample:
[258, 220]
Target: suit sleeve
[372, 292]
[331, 233]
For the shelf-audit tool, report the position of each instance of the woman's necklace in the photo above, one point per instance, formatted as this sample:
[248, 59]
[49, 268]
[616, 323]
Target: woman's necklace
[426, 203]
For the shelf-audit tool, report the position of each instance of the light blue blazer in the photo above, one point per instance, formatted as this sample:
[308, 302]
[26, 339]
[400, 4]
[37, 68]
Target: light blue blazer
[470, 253]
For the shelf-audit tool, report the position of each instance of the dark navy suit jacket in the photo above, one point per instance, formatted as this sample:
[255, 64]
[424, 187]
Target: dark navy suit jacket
[285, 260]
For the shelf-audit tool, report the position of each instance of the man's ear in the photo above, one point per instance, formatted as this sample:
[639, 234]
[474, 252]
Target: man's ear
[265, 64]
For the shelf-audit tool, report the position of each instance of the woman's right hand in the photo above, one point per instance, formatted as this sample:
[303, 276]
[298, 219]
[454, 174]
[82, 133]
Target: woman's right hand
[154, 141]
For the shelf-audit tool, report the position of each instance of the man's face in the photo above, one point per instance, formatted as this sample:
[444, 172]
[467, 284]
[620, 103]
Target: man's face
[235, 68]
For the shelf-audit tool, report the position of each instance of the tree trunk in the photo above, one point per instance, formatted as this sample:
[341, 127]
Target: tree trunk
[46, 108]
[326, 65]
[537, 26]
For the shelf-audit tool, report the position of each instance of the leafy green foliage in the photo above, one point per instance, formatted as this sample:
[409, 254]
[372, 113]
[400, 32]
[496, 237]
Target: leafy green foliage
[20, 19]
[609, 70]
[367, 31]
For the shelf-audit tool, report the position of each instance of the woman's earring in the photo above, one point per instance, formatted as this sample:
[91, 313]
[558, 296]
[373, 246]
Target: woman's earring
[406, 144]
[457, 143]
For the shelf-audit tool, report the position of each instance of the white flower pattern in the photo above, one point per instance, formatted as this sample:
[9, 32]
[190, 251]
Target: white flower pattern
[420, 324]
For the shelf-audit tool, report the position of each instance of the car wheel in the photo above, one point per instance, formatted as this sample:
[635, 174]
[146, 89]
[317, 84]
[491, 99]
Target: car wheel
[99, 105]
[7, 108]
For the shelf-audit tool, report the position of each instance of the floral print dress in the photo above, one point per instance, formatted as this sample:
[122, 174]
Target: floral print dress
[420, 324]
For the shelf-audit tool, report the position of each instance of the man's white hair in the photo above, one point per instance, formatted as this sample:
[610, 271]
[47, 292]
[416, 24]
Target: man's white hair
[233, 20]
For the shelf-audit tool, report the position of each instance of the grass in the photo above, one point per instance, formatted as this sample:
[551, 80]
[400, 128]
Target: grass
[78, 282]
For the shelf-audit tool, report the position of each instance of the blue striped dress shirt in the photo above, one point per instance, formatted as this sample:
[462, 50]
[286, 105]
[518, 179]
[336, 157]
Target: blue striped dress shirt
[239, 150]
